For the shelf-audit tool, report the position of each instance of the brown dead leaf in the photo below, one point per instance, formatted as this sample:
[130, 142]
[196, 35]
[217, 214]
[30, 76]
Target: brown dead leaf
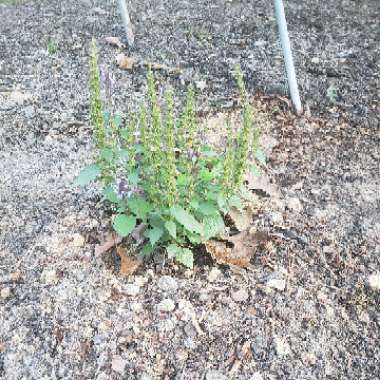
[129, 263]
[262, 183]
[114, 41]
[242, 219]
[110, 241]
[244, 247]
[124, 62]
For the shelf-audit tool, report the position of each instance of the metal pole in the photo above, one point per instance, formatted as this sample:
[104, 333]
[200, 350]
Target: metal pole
[127, 22]
[289, 64]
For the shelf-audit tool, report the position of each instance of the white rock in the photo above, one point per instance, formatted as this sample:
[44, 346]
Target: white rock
[167, 284]
[118, 364]
[215, 375]
[281, 346]
[201, 85]
[240, 295]
[5, 293]
[132, 290]
[78, 240]
[294, 204]
[278, 284]
[140, 281]
[137, 307]
[374, 281]
[257, 376]
[213, 275]
[167, 305]
[49, 277]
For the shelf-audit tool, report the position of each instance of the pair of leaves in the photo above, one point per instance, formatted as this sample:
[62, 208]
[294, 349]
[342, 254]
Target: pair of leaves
[182, 255]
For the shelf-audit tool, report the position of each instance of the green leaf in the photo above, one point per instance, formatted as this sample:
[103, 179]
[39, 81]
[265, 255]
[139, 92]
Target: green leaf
[206, 175]
[133, 178]
[222, 202]
[183, 255]
[87, 175]
[117, 120]
[194, 238]
[110, 194]
[236, 202]
[156, 220]
[124, 133]
[139, 206]
[139, 148]
[106, 154]
[255, 171]
[182, 180]
[186, 219]
[123, 153]
[208, 208]
[213, 226]
[153, 234]
[146, 250]
[171, 228]
[124, 224]
[260, 156]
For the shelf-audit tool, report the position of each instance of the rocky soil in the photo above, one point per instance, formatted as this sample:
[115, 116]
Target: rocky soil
[309, 306]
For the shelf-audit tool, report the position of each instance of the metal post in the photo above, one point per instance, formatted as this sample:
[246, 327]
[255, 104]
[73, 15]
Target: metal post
[127, 22]
[289, 64]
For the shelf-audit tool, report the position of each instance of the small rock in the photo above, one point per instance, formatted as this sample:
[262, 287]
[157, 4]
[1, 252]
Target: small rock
[374, 281]
[240, 295]
[276, 218]
[78, 240]
[5, 293]
[132, 290]
[201, 85]
[203, 296]
[281, 346]
[137, 307]
[278, 284]
[294, 204]
[49, 277]
[215, 375]
[118, 364]
[140, 281]
[167, 305]
[167, 284]
[213, 275]
[257, 376]
[315, 60]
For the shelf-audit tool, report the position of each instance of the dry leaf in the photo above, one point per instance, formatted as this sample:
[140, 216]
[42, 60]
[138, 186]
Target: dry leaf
[129, 263]
[111, 241]
[243, 249]
[242, 219]
[262, 183]
[124, 62]
[114, 41]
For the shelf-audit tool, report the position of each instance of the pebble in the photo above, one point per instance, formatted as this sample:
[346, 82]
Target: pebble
[215, 375]
[213, 275]
[5, 293]
[167, 305]
[78, 240]
[294, 204]
[132, 290]
[49, 277]
[257, 376]
[167, 284]
[374, 281]
[281, 346]
[118, 364]
[278, 284]
[240, 295]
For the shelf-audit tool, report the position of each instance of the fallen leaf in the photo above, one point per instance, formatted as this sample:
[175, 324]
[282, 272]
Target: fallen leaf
[262, 183]
[114, 41]
[129, 263]
[244, 247]
[242, 219]
[124, 62]
[111, 240]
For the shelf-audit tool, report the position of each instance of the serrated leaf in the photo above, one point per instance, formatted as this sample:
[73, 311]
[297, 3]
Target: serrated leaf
[208, 208]
[222, 202]
[133, 178]
[124, 224]
[194, 238]
[182, 255]
[124, 133]
[106, 154]
[206, 175]
[110, 194]
[213, 226]
[146, 250]
[236, 202]
[171, 228]
[123, 153]
[260, 156]
[139, 148]
[153, 234]
[186, 219]
[182, 180]
[139, 206]
[117, 120]
[87, 175]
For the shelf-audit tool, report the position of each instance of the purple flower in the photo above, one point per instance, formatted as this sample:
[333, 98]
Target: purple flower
[192, 155]
[124, 189]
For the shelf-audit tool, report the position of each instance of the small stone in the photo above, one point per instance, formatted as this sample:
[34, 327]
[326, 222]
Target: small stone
[315, 60]
[257, 376]
[215, 375]
[278, 284]
[281, 346]
[78, 240]
[213, 275]
[167, 284]
[137, 307]
[118, 364]
[201, 85]
[140, 281]
[5, 293]
[294, 204]
[167, 305]
[132, 290]
[276, 218]
[240, 295]
[203, 296]
[374, 281]
[49, 277]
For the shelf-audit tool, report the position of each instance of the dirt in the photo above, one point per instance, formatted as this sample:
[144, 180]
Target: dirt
[305, 309]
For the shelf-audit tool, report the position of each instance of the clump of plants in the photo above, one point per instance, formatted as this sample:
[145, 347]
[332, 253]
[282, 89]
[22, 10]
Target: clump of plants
[159, 174]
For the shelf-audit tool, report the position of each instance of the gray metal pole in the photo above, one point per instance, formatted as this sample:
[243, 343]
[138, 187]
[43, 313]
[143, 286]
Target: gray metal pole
[126, 22]
[289, 64]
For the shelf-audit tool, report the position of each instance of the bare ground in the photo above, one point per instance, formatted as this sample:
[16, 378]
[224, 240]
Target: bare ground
[64, 314]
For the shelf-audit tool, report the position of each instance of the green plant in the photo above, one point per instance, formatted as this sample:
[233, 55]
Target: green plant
[52, 47]
[157, 172]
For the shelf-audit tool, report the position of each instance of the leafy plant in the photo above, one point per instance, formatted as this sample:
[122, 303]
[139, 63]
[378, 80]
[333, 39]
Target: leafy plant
[158, 173]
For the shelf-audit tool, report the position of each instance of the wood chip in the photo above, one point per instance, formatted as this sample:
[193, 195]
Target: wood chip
[129, 263]
[111, 241]
[242, 219]
[124, 62]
